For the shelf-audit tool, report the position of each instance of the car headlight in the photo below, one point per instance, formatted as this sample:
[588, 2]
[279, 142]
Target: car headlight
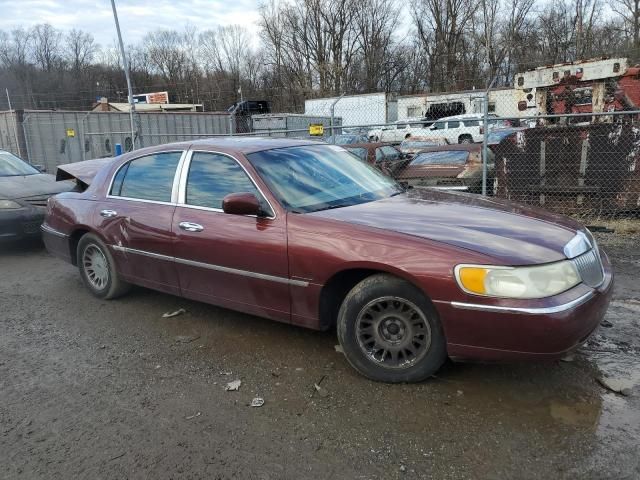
[518, 282]
[9, 205]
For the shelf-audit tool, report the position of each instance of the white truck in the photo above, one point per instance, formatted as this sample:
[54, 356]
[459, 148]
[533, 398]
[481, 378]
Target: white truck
[455, 129]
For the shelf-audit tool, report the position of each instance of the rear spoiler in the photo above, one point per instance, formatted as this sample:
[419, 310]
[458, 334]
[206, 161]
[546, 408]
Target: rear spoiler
[82, 172]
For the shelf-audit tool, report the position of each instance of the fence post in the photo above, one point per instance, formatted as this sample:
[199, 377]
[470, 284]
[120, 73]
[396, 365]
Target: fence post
[485, 131]
[333, 106]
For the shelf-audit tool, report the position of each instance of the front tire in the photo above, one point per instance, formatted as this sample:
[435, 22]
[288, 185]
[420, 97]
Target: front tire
[465, 139]
[390, 331]
[98, 269]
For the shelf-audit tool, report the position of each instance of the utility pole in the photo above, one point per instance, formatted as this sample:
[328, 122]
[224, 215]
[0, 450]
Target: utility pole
[125, 63]
[15, 123]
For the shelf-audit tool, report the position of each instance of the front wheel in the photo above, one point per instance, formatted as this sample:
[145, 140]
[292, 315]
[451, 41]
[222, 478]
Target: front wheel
[465, 139]
[98, 270]
[390, 331]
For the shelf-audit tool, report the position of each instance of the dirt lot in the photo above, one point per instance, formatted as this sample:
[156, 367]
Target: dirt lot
[98, 389]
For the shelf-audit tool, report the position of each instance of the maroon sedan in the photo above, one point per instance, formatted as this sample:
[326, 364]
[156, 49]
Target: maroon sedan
[304, 233]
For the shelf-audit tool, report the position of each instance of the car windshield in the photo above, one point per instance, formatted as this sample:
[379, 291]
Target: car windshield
[318, 177]
[344, 139]
[360, 152]
[451, 157]
[12, 166]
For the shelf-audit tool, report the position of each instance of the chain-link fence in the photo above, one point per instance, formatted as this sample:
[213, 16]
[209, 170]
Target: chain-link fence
[568, 147]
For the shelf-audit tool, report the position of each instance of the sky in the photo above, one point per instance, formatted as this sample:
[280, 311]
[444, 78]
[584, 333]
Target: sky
[137, 17]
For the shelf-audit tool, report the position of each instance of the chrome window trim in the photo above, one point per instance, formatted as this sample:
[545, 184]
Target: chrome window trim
[210, 266]
[46, 228]
[173, 185]
[184, 174]
[525, 310]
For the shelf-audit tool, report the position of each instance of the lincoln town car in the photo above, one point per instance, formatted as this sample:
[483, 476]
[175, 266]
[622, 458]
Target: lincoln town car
[303, 232]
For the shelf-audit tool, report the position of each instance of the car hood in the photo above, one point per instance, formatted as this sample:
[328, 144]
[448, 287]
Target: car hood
[510, 233]
[31, 185]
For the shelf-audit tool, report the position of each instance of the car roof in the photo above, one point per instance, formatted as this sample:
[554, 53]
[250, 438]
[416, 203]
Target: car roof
[467, 147]
[465, 116]
[368, 145]
[251, 144]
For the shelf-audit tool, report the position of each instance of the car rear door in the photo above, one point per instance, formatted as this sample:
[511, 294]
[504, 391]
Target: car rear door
[236, 261]
[135, 219]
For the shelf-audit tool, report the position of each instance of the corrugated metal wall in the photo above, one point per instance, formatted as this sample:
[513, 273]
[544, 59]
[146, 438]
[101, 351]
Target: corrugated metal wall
[55, 138]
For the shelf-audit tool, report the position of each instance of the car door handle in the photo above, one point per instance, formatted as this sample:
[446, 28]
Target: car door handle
[191, 227]
[108, 213]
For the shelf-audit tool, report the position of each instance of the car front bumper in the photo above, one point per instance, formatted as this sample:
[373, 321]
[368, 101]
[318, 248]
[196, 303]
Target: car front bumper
[20, 223]
[535, 329]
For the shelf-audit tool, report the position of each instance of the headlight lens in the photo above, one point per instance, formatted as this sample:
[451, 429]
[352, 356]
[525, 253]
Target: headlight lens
[518, 282]
[9, 205]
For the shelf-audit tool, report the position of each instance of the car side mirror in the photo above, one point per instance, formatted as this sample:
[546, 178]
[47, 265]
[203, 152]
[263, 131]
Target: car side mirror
[244, 203]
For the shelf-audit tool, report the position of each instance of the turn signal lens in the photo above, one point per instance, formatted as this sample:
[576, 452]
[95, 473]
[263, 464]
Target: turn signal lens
[518, 282]
[472, 279]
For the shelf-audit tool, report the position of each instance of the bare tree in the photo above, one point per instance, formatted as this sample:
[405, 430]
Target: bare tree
[45, 41]
[80, 50]
[629, 10]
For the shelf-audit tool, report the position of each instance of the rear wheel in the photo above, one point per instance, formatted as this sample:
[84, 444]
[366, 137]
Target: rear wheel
[465, 139]
[390, 332]
[97, 269]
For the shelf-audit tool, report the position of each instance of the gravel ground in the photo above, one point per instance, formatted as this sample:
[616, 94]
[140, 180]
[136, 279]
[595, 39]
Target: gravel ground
[111, 389]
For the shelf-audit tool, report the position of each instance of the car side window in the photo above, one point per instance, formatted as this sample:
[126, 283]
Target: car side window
[453, 124]
[147, 178]
[401, 126]
[438, 126]
[212, 177]
[471, 123]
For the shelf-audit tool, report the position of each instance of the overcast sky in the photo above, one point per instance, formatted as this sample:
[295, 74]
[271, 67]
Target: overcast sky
[137, 17]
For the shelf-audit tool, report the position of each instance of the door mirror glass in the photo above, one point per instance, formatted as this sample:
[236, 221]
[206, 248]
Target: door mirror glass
[244, 203]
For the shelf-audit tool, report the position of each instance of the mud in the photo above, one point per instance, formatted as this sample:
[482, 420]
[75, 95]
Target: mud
[111, 389]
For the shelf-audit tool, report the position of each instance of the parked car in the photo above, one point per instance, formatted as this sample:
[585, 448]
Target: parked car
[24, 191]
[454, 167]
[400, 130]
[304, 233]
[346, 139]
[496, 135]
[375, 154]
[413, 145]
[460, 128]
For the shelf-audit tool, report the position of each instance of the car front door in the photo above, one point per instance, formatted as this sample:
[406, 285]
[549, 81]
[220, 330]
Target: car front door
[236, 261]
[135, 220]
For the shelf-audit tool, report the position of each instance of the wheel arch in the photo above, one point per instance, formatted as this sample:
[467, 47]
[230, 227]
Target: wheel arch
[340, 283]
[78, 232]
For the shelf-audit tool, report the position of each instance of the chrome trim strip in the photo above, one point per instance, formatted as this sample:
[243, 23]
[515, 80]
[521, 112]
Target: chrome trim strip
[46, 228]
[525, 310]
[209, 266]
[131, 199]
[182, 189]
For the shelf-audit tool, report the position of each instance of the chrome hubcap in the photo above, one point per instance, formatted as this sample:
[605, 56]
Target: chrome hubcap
[393, 332]
[95, 267]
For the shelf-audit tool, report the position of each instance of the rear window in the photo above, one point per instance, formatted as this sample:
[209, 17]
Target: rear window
[147, 178]
[390, 153]
[471, 123]
[453, 157]
[361, 153]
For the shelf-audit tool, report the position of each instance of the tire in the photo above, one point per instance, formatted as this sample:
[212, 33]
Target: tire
[97, 269]
[465, 139]
[363, 331]
[408, 135]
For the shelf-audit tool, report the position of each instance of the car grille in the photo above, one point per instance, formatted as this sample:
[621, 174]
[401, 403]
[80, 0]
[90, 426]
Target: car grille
[38, 201]
[589, 267]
